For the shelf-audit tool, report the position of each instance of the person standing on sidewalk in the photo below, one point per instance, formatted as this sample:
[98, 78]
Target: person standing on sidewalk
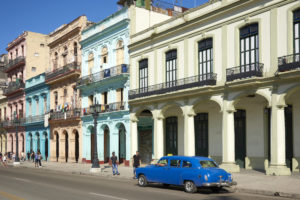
[136, 163]
[114, 159]
[4, 160]
[40, 159]
[32, 156]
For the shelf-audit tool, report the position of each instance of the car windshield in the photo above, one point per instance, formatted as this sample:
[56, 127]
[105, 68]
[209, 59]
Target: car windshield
[208, 163]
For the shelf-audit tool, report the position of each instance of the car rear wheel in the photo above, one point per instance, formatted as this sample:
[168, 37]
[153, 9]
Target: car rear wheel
[142, 181]
[190, 187]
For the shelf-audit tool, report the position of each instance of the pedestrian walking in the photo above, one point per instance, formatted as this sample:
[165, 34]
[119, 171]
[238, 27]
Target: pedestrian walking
[4, 160]
[28, 156]
[32, 156]
[22, 156]
[114, 159]
[136, 163]
[40, 159]
[36, 160]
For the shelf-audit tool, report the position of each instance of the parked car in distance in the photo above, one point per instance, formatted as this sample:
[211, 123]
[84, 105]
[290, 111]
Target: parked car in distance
[190, 172]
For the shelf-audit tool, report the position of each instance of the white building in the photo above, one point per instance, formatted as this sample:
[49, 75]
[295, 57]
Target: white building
[220, 80]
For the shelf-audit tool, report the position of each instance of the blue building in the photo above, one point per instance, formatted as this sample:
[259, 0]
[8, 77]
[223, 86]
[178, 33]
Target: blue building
[105, 80]
[37, 105]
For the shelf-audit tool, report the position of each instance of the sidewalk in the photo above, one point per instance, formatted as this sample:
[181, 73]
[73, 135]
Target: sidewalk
[249, 181]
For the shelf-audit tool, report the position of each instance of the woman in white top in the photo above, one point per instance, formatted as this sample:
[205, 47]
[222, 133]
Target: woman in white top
[4, 160]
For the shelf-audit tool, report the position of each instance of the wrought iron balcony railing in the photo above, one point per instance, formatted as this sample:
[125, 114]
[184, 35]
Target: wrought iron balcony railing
[35, 119]
[180, 84]
[289, 62]
[13, 86]
[62, 70]
[105, 108]
[73, 113]
[110, 72]
[14, 62]
[13, 123]
[245, 71]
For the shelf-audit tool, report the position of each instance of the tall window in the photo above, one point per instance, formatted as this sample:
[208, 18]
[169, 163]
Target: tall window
[29, 108]
[249, 46]
[75, 52]
[37, 107]
[205, 53]
[45, 105]
[120, 52]
[55, 99]
[104, 55]
[55, 61]
[91, 62]
[22, 50]
[65, 56]
[297, 32]
[5, 113]
[171, 67]
[143, 75]
[65, 95]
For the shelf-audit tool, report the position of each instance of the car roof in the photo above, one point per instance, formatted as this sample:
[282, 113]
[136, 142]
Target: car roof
[188, 157]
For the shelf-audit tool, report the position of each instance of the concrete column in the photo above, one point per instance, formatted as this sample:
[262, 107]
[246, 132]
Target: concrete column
[53, 150]
[228, 140]
[189, 131]
[278, 160]
[71, 151]
[134, 135]
[62, 157]
[158, 137]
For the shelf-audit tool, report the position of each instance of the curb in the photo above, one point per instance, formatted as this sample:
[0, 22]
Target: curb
[268, 193]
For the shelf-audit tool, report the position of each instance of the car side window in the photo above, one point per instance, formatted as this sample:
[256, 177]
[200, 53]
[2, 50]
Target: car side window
[175, 163]
[162, 162]
[186, 164]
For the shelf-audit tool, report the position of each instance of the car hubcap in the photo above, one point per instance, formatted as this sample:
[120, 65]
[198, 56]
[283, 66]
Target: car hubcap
[189, 186]
[141, 181]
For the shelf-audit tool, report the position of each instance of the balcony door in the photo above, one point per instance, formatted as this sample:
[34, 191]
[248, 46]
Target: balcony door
[205, 56]
[249, 48]
[297, 35]
[171, 68]
[240, 137]
[143, 76]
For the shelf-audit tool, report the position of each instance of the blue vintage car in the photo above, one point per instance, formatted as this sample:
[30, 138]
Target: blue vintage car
[191, 172]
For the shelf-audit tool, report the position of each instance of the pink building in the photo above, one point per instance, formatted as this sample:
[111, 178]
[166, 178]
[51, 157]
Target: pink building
[26, 56]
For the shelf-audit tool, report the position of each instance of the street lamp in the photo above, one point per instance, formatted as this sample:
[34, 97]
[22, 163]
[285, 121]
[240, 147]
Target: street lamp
[16, 123]
[95, 109]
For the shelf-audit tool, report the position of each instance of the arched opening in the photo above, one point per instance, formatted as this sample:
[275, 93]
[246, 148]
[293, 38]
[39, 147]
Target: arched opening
[122, 143]
[145, 136]
[56, 145]
[12, 143]
[207, 126]
[106, 144]
[251, 127]
[292, 127]
[76, 145]
[104, 55]
[30, 142]
[38, 142]
[22, 143]
[46, 145]
[92, 133]
[66, 145]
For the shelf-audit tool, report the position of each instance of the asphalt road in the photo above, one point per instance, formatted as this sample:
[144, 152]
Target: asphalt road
[38, 184]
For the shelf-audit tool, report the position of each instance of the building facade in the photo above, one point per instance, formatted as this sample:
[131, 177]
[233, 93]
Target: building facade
[37, 95]
[3, 103]
[26, 53]
[223, 82]
[105, 79]
[65, 62]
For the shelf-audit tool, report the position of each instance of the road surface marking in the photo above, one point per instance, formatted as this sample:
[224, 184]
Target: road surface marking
[107, 196]
[10, 196]
[20, 179]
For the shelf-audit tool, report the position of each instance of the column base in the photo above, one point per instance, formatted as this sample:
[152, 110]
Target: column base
[62, 159]
[278, 170]
[230, 167]
[95, 170]
[16, 163]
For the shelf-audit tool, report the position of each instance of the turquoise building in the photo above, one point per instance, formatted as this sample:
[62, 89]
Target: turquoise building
[36, 124]
[105, 81]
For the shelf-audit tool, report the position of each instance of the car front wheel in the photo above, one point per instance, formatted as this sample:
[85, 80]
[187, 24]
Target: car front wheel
[142, 181]
[190, 187]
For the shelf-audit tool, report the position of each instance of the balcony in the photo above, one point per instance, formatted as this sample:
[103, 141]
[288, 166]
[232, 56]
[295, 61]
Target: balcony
[185, 83]
[63, 71]
[14, 63]
[35, 119]
[13, 123]
[14, 86]
[69, 114]
[288, 63]
[244, 71]
[105, 74]
[106, 108]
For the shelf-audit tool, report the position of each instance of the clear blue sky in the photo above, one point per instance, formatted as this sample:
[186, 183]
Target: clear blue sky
[44, 16]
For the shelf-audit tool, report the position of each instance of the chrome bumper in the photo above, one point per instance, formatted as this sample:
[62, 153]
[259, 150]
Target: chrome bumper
[219, 184]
